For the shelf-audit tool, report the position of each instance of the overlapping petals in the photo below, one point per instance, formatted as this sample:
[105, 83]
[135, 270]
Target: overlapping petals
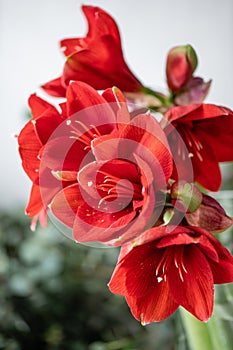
[118, 192]
[207, 131]
[163, 270]
[52, 139]
[111, 173]
[96, 59]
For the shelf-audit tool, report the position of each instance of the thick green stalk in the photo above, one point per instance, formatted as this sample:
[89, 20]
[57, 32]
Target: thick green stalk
[212, 335]
[197, 332]
[220, 334]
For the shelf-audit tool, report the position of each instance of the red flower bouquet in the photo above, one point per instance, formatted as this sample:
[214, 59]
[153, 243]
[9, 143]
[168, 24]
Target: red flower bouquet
[112, 171]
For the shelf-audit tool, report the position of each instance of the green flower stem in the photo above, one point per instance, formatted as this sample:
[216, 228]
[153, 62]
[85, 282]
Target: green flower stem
[197, 332]
[212, 335]
[220, 334]
[163, 99]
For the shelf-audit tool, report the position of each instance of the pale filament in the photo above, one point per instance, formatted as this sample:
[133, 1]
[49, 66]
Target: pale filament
[192, 141]
[179, 261]
[171, 254]
[85, 136]
[114, 188]
[163, 263]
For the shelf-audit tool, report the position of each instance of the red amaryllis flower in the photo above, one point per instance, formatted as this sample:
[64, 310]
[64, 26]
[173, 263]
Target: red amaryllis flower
[116, 195]
[96, 59]
[207, 133]
[165, 269]
[65, 133]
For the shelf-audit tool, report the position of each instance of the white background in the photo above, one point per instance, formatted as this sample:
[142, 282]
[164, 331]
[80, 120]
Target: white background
[30, 32]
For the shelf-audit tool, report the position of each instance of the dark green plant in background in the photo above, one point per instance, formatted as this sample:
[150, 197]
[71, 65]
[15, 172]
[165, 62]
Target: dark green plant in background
[54, 295]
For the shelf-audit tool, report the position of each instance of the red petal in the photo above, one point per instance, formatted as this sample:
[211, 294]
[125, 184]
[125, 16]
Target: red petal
[65, 204]
[218, 132]
[150, 143]
[193, 289]
[35, 204]
[206, 171]
[100, 23]
[207, 111]
[92, 225]
[114, 95]
[223, 269]
[208, 124]
[39, 106]
[46, 125]
[178, 112]
[29, 148]
[180, 238]
[154, 306]
[117, 101]
[64, 153]
[195, 112]
[81, 96]
[135, 278]
[70, 46]
[42, 217]
[203, 164]
[117, 282]
[135, 273]
[54, 88]
[109, 70]
[149, 235]
[141, 266]
[145, 219]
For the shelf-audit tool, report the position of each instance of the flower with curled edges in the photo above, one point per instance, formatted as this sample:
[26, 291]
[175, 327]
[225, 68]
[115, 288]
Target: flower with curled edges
[117, 195]
[96, 59]
[206, 131]
[51, 128]
[168, 267]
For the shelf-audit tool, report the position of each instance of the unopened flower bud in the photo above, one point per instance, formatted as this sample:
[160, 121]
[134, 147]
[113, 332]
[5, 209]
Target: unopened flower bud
[210, 216]
[185, 196]
[181, 63]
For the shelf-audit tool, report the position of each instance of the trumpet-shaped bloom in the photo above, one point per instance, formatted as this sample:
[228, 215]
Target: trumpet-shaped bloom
[169, 267]
[207, 132]
[96, 59]
[116, 195]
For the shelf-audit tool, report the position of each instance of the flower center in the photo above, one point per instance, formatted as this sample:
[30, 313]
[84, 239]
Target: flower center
[113, 187]
[171, 255]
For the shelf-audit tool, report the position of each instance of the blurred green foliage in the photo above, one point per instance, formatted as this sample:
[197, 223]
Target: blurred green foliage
[54, 295]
